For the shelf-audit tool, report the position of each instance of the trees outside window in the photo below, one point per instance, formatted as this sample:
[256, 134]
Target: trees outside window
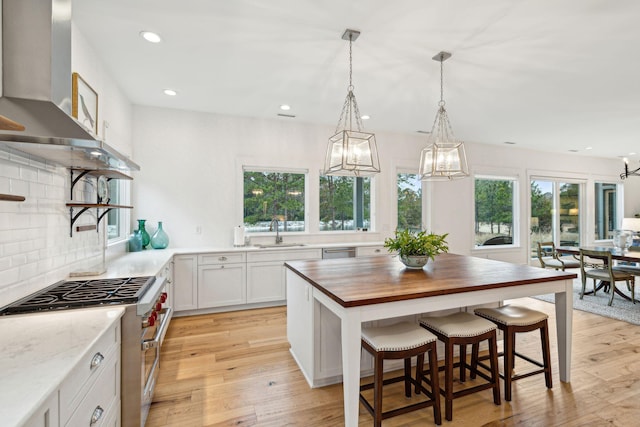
[494, 211]
[345, 203]
[409, 202]
[269, 195]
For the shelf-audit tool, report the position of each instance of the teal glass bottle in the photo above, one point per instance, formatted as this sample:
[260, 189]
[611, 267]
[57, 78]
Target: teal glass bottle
[135, 241]
[160, 239]
[145, 236]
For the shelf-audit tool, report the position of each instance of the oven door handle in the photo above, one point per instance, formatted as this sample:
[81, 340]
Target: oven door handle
[160, 333]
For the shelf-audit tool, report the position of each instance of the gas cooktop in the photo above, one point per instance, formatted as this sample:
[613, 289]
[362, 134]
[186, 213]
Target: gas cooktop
[82, 293]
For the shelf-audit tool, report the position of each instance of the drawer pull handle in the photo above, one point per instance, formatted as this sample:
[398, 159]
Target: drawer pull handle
[96, 360]
[377, 250]
[97, 414]
[222, 258]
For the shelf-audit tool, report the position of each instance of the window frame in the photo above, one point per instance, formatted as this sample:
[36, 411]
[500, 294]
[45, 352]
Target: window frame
[371, 227]
[619, 206]
[516, 240]
[276, 169]
[124, 215]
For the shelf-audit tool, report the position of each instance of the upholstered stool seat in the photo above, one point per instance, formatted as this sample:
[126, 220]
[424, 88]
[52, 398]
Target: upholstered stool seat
[464, 329]
[512, 319]
[401, 341]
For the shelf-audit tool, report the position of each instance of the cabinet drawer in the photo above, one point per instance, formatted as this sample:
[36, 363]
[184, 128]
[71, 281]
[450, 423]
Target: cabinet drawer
[221, 258]
[371, 251]
[102, 354]
[99, 400]
[290, 255]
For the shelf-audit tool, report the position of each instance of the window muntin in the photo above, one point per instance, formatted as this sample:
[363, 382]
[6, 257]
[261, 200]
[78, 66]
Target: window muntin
[345, 203]
[272, 194]
[495, 203]
[606, 210]
[409, 189]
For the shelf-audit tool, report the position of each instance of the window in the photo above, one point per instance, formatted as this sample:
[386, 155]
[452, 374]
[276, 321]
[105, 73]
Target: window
[409, 189]
[555, 212]
[345, 203]
[118, 219]
[269, 195]
[495, 201]
[606, 212]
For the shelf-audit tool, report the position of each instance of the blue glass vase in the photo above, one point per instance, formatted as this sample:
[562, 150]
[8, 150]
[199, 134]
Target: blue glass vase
[160, 239]
[135, 241]
[145, 236]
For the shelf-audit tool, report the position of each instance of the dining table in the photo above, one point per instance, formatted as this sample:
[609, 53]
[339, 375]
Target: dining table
[367, 289]
[630, 255]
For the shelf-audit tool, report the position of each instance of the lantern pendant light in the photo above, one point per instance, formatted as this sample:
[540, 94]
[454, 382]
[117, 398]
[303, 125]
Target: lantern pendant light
[351, 152]
[444, 157]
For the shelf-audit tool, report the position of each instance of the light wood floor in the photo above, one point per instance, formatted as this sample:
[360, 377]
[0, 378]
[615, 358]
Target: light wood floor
[234, 369]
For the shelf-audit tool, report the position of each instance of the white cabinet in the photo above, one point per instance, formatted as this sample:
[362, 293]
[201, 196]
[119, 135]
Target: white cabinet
[90, 394]
[372, 251]
[46, 415]
[185, 280]
[265, 273]
[221, 280]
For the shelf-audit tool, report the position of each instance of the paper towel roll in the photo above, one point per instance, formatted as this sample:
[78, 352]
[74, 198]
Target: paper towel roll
[238, 236]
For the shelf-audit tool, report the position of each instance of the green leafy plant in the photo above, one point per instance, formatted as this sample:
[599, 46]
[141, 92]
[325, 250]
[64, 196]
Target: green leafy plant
[421, 243]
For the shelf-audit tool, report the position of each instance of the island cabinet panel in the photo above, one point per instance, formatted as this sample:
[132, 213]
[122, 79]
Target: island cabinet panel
[185, 282]
[221, 285]
[300, 322]
[47, 414]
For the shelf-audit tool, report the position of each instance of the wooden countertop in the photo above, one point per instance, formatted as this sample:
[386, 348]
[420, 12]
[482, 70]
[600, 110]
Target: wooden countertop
[371, 280]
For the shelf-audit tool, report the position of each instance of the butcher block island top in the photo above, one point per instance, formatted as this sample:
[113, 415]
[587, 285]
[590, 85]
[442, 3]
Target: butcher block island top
[354, 282]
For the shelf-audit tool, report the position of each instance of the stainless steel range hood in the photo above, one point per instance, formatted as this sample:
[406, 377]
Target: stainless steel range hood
[36, 73]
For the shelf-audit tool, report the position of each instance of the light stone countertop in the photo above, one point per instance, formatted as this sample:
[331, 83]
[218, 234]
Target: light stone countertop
[37, 352]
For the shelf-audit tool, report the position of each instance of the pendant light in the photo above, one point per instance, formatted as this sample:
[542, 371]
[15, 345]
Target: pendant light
[351, 152]
[444, 157]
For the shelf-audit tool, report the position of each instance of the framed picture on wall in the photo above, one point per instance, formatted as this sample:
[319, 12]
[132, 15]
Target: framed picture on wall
[84, 105]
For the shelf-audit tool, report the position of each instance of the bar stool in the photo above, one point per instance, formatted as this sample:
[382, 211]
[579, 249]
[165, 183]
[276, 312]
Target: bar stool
[512, 319]
[464, 329]
[401, 341]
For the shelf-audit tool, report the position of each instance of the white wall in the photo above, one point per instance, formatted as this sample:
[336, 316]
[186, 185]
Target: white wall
[191, 176]
[35, 247]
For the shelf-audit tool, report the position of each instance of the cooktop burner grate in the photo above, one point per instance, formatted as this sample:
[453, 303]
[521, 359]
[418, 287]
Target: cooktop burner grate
[82, 293]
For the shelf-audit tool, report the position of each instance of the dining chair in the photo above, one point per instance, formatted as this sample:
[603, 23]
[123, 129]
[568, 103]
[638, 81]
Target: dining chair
[549, 257]
[604, 272]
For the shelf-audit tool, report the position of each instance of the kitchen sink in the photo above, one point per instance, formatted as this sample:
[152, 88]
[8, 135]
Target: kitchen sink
[278, 245]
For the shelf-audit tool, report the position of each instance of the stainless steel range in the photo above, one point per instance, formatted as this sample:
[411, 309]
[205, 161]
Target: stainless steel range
[144, 324]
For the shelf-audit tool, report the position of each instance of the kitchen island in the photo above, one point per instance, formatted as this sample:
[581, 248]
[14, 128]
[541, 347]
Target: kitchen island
[372, 289]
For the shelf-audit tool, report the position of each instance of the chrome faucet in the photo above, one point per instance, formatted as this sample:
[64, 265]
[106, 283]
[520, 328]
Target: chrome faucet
[278, 236]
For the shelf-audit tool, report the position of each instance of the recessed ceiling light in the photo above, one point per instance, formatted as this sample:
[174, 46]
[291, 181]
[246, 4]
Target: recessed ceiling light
[150, 36]
[632, 154]
[365, 117]
[170, 92]
[285, 107]
[588, 148]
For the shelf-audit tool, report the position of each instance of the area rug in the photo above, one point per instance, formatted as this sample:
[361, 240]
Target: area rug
[620, 310]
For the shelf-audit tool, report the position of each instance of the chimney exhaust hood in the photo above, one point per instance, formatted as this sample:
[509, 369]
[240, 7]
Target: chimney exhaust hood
[36, 89]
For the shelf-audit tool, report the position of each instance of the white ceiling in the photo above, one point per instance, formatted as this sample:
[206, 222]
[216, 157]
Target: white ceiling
[546, 74]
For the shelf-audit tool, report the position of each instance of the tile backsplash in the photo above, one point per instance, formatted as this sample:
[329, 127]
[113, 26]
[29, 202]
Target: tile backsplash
[36, 249]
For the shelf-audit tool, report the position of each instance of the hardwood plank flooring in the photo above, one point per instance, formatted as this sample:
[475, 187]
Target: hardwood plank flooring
[235, 369]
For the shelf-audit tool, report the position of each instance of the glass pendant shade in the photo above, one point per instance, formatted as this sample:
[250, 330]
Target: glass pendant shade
[352, 153]
[444, 157]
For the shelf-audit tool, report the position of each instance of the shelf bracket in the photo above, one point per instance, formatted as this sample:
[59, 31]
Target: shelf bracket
[75, 218]
[75, 181]
[101, 216]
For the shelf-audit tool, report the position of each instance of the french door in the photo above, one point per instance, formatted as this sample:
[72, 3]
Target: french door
[555, 212]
